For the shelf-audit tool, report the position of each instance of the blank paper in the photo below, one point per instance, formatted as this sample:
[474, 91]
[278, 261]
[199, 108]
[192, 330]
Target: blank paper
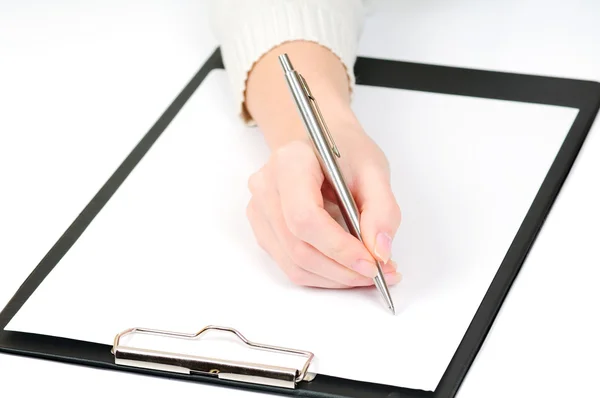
[173, 250]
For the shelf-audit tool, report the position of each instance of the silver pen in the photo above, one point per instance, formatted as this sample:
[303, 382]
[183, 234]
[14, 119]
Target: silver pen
[327, 152]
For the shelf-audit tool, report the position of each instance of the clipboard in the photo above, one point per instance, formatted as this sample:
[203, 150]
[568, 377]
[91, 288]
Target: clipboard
[583, 95]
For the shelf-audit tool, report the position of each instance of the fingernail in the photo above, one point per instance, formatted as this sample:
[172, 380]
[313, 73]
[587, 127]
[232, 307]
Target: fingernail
[390, 266]
[393, 278]
[365, 268]
[383, 247]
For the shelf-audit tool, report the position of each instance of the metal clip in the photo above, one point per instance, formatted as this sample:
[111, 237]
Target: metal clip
[330, 141]
[223, 369]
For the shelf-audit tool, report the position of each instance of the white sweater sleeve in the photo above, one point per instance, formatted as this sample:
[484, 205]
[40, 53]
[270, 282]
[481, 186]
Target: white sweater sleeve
[247, 29]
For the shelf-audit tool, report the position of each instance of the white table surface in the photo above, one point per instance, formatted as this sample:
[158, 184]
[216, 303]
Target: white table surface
[71, 59]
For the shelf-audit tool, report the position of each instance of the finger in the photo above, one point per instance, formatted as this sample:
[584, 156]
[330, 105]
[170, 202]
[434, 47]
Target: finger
[268, 241]
[299, 180]
[380, 213]
[389, 267]
[334, 210]
[301, 253]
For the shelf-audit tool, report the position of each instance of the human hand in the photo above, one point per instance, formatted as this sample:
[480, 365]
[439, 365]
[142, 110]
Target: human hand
[293, 223]
[290, 209]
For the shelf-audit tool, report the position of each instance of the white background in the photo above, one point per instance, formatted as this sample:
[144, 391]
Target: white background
[542, 344]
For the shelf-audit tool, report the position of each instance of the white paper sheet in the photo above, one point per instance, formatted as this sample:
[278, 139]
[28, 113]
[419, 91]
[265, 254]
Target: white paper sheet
[173, 250]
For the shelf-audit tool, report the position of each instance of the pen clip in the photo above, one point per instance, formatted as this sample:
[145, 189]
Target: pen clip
[329, 138]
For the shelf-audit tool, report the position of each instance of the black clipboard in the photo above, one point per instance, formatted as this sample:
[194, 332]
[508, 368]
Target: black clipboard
[583, 95]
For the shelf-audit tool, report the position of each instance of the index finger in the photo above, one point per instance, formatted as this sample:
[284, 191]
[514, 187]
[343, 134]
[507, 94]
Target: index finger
[299, 181]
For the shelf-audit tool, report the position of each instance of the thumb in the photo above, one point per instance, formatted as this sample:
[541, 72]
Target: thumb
[379, 210]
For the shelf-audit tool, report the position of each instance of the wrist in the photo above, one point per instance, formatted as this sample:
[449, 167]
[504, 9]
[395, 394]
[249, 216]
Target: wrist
[342, 125]
[272, 107]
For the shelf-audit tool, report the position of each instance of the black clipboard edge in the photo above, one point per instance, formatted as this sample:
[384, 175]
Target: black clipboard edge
[515, 87]
[584, 95]
[510, 267]
[99, 356]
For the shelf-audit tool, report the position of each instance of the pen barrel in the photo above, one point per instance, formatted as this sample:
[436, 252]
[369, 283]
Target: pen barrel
[326, 152]
[319, 134]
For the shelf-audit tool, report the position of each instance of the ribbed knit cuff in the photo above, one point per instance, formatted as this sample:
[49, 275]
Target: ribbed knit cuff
[282, 21]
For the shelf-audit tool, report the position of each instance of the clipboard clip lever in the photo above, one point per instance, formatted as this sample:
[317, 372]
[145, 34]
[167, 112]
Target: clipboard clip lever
[245, 372]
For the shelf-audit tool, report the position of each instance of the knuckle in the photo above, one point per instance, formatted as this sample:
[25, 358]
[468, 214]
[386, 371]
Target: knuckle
[261, 243]
[281, 157]
[256, 182]
[353, 280]
[252, 216]
[253, 212]
[390, 211]
[300, 221]
[396, 213]
[250, 211]
[297, 276]
[299, 253]
[339, 248]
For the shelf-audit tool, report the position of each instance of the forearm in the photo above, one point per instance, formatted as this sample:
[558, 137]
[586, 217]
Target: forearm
[270, 104]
